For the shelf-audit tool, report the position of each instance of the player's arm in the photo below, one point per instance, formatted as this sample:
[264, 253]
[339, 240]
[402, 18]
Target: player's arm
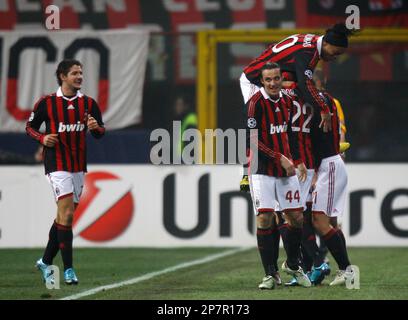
[304, 75]
[37, 117]
[95, 123]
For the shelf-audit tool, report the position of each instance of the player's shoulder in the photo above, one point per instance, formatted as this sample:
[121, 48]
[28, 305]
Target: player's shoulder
[256, 97]
[42, 101]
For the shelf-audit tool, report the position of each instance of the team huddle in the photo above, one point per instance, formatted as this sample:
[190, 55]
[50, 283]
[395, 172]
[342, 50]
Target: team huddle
[298, 183]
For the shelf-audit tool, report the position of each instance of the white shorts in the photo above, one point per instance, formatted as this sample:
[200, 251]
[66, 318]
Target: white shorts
[65, 184]
[272, 194]
[329, 197]
[248, 89]
[305, 194]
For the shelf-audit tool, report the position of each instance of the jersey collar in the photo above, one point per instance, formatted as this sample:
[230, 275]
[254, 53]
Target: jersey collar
[266, 96]
[60, 94]
[319, 45]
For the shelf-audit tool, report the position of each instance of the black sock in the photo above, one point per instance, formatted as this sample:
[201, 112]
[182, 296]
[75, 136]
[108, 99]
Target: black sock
[275, 246]
[292, 246]
[265, 238]
[65, 238]
[309, 244]
[306, 261]
[343, 238]
[337, 249]
[52, 246]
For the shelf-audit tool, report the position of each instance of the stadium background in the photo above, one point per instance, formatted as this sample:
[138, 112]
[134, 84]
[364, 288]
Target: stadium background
[179, 206]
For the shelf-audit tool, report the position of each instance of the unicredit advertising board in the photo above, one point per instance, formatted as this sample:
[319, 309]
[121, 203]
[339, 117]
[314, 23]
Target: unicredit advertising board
[167, 206]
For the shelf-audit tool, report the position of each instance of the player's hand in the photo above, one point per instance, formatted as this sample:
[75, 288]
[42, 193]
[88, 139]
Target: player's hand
[314, 180]
[92, 124]
[302, 172]
[326, 122]
[50, 140]
[244, 184]
[288, 166]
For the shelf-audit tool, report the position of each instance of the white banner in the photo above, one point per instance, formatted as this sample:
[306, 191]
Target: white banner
[167, 206]
[114, 64]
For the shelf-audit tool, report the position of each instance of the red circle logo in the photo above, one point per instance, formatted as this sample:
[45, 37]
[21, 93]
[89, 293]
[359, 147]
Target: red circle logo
[105, 209]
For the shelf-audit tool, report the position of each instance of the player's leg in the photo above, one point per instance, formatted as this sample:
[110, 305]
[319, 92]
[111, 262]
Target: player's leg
[61, 188]
[288, 194]
[262, 187]
[329, 201]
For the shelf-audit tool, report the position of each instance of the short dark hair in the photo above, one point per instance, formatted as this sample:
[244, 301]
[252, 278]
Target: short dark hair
[64, 66]
[269, 66]
[338, 35]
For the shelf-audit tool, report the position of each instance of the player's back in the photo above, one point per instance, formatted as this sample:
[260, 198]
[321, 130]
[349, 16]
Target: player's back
[285, 53]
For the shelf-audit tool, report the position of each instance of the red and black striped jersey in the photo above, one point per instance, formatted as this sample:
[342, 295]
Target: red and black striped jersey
[66, 117]
[326, 144]
[297, 56]
[302, 114]
[271, 118]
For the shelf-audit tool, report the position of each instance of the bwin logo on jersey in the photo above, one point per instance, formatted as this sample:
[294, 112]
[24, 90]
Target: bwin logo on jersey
[71, 127]
[279, 129]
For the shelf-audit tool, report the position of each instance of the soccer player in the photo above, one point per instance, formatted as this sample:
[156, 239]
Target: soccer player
[298, 56]
[329, 196]
[67, 115]
[320, 81]
[274, 183]
[302, 114]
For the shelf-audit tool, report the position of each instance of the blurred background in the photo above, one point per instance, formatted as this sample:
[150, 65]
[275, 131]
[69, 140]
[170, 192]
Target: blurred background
[370, 80]
[145, 65]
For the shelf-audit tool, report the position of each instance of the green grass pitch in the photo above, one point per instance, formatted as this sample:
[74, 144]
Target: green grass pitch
[382, 275]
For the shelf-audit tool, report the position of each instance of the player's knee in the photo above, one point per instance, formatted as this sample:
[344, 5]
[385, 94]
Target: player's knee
[321, 223]
[295, 219]
[66, 215]
[264, 220]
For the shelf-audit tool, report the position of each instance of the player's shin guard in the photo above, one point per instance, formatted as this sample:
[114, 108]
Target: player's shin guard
[65, 239]
[337, 248]
[52, 246]
[265, 239]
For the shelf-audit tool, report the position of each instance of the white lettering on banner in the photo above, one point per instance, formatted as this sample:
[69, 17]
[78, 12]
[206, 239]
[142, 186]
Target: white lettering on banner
[207, 5]
[71, 127]
[274, 4]
[115, 5]
[76, 5]
[241, 5]
[174, 6]
[198, 206]
[25, 5]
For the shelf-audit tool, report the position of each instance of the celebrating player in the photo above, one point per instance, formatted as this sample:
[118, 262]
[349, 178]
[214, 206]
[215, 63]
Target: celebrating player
[274, 183]
[67, 114]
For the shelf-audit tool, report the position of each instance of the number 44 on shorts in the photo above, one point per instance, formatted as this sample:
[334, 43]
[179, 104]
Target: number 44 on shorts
[295, 196]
